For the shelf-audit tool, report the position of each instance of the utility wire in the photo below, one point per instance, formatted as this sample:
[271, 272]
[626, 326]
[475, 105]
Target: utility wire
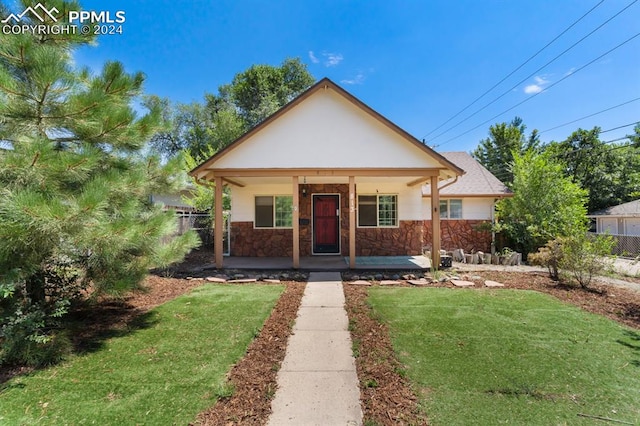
[534, 73]
[536, 94]
[588, 116]
[515, 70]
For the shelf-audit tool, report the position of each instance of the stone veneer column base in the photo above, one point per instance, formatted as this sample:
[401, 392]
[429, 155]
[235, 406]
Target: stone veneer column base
[469, 235]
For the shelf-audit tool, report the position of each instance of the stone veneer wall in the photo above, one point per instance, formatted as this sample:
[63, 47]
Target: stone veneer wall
[406, 239]
[461, 234]
[261, 242]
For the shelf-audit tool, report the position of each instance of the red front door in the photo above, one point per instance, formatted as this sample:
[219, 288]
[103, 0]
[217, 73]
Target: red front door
[326, 224]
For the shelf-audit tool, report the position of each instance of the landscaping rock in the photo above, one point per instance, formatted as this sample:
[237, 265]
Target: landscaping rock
[421, 281]
[272, 281]
[409, 277]
[490, 283]
[243, 280]
[461, 283]
[389, 282]
[360, 282]
[216, 280]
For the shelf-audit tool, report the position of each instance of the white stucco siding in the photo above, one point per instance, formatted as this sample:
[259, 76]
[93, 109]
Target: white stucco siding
[409, 198]
[242, 199]
[472, 208]
[326, 130]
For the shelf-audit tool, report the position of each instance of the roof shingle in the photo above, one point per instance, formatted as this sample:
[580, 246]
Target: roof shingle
[477, 181]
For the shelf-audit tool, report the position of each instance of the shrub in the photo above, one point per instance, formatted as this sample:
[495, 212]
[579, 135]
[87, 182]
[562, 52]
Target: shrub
[550, 256]
[584, 256]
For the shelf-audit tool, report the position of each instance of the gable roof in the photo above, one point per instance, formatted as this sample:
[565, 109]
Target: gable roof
[410, 144]
[630, 209]
[477, 182]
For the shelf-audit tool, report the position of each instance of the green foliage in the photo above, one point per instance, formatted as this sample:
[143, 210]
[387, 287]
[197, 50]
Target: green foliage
[581, 255]
[549, 256]
[585, 256]
[546, 204]
[609, 172]
[510, 356]
[496, 152]
[75, 187]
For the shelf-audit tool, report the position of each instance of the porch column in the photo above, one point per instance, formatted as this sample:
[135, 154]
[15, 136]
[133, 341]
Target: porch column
[219, 223]
[296, 223]
[352, 222]
[435, 223]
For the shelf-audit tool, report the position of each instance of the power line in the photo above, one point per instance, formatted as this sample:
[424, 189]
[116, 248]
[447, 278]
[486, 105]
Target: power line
[515, 70]
[619, 127]
[534, 73]
[536, 94]
[588, 116]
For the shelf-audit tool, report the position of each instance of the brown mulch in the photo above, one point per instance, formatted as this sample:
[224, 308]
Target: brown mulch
[254, 377]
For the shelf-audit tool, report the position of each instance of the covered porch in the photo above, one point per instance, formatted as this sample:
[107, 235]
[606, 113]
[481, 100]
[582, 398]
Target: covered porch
[352, 245]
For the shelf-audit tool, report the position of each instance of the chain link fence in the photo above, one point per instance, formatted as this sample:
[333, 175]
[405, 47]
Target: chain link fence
[626, 246]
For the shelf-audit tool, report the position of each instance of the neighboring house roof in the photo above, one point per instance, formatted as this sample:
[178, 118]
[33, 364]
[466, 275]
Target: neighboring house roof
[477, 182]
[332, 107]
[630, 209]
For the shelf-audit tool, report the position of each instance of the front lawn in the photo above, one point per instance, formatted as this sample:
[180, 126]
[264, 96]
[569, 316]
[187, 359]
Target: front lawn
[511, 357]
[165, 371]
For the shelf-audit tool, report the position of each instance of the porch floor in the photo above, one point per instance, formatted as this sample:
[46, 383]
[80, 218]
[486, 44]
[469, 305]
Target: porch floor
[330, 263]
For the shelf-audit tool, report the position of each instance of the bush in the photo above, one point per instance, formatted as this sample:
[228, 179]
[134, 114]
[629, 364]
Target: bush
[550, 256]
[582, 256]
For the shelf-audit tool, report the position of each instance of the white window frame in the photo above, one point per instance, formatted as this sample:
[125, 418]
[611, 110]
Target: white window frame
[273, 212]
[448, 202]
[377, 225]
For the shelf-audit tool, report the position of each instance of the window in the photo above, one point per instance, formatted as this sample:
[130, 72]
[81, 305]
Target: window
[274, 211]
[377, 210]
[451, 209]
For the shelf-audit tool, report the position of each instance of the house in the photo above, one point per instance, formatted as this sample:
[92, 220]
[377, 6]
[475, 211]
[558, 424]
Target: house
[327, 175]
[467, 206]
[623, 219]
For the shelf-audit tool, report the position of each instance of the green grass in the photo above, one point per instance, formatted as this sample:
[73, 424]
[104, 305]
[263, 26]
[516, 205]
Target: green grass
[164, 372]
[511, 357]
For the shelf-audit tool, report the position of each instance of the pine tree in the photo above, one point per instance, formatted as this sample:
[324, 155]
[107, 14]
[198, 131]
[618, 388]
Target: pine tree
[75, 186]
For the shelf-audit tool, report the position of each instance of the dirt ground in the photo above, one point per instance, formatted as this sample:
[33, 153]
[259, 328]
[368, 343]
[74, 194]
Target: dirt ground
[387, 398]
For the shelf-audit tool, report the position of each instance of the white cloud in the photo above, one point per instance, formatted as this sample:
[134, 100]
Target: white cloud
[571, 71]
[313, 57]
[537, 87]
[358, 79]
[332, 59]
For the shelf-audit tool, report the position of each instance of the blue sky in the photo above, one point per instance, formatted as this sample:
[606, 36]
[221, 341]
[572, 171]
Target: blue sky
[416, 62]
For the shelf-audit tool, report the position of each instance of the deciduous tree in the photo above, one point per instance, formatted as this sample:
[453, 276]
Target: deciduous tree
[496, 152]
[546, 203]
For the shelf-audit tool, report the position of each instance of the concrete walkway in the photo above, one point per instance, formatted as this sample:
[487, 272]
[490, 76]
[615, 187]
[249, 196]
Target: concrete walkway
[317, 383]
